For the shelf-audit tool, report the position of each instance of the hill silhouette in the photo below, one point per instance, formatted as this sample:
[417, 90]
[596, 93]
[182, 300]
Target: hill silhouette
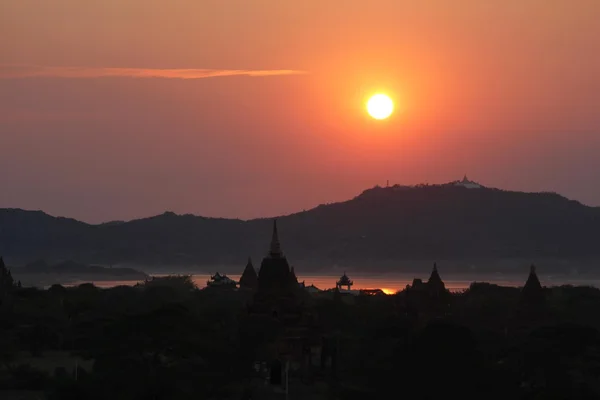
[380, 228]
[72, 268]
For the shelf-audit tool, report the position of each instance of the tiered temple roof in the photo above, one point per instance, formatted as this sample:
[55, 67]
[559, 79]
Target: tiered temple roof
[220, 280]
[344, 281]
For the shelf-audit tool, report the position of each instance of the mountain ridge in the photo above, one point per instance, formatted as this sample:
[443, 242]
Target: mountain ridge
[380, 226]
[364, 192]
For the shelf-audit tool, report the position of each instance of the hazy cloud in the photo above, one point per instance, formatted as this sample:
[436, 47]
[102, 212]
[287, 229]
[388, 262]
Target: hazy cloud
[20, 71]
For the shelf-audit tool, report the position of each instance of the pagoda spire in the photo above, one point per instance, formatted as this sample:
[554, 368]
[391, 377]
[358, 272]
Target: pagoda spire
[249, 278]
[435, 282]
[435, 275]
[275, 250]
[532, 293]
[533, 282]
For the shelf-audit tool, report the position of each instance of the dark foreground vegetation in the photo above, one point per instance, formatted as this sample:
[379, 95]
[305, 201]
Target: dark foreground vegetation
[165, 339]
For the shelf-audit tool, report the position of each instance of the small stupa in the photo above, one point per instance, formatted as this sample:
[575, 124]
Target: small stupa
[249, 278]
[532, 293]
[466, 183]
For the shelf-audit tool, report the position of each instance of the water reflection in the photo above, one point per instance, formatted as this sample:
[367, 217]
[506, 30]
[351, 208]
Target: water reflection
[388, 283]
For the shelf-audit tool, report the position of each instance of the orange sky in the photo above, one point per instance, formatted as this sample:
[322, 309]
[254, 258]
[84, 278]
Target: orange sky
[508, 92]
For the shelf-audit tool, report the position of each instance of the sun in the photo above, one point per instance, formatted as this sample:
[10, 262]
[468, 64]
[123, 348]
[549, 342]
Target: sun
[380, 106]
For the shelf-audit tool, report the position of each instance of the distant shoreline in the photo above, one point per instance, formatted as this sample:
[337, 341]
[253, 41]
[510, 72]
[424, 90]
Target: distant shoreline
[49, 279]
[387, 282]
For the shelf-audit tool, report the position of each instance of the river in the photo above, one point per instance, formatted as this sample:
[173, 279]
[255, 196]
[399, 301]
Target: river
[390, 283]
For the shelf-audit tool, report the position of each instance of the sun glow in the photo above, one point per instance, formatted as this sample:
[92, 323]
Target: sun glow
[380, 106]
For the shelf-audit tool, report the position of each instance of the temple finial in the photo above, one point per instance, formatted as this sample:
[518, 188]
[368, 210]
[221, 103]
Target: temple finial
[275, 250]
[532, 269]
[435, 266]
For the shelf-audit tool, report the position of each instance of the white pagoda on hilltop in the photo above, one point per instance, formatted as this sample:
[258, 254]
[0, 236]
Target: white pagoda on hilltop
[466, 183]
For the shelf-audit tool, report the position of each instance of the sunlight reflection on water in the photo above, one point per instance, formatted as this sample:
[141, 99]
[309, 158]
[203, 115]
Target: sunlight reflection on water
[388, 283]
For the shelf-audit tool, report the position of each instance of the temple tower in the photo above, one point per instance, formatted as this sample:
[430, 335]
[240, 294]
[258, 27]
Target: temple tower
[274, 274]
[279, 312]
[435, 283]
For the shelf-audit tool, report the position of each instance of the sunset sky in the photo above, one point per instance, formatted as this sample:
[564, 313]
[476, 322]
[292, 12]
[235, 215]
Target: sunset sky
[119, 109]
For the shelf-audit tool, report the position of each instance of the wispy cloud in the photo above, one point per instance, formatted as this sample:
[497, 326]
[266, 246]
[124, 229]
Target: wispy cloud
[22, 71]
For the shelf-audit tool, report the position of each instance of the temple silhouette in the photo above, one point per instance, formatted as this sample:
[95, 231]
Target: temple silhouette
[297, 338]
[532, 293]
[249, 279]
[281, 301]
[220, 280]
[344, 282]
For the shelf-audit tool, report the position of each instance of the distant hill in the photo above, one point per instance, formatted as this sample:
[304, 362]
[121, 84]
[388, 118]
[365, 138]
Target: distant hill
[382, 228]
[72, 268]
[40, 273]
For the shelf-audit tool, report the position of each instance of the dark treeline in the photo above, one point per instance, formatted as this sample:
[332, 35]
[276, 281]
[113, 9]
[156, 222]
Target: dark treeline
[165, 339]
